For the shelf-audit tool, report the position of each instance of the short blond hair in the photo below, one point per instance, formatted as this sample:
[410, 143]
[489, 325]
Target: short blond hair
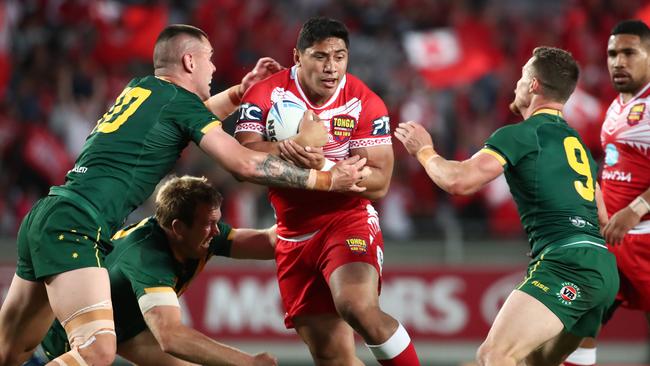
[179, 197]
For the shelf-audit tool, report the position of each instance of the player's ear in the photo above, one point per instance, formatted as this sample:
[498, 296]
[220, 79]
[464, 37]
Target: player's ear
[188, 62]
[296, 56]
[535, 86]
[178, 227]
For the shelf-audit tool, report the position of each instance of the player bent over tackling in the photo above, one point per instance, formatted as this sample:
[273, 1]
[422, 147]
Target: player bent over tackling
[154, 262]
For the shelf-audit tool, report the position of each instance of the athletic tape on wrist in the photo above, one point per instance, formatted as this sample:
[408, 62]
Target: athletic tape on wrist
[640, 206]
[328, 165]
[425, 154]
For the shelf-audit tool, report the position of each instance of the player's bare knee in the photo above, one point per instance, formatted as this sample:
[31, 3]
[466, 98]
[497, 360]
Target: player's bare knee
[101, 351]
[358, 312]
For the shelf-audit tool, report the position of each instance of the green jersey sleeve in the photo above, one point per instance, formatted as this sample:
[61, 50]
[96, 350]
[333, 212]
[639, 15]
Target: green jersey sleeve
[222, 243]
[149, 269]
[512, 142]
[192, 116]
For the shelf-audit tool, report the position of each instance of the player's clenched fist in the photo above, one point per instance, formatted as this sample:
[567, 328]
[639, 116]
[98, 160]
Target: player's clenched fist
[264, 359]
[413, 136]
[311, 132]
[347, 173]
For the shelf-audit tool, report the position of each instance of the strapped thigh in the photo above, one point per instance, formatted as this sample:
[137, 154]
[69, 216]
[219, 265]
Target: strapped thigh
[85, 324]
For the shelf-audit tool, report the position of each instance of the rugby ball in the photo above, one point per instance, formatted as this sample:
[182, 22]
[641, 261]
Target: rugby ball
[283, 119]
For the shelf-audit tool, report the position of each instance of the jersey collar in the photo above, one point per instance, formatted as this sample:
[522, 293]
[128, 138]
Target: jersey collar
[551, 111]
[294, 76]
[644, 90]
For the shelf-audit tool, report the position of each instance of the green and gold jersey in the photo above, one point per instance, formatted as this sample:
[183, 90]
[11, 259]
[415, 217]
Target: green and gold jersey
[140, 263]
[551, 175]
[135, 144]
[143, 263]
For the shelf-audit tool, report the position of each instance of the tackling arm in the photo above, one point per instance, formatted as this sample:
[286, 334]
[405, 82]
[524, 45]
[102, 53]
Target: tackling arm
[460, 177]
[191, 345]
[226, 102]
[253, 244]
[455, 177]
[266, 169]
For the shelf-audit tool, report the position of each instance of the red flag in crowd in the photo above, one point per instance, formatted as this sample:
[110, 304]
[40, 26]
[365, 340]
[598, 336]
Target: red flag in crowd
[132, 35]
[450, 56]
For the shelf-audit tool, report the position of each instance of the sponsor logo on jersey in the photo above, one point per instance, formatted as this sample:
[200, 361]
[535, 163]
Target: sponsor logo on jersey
[357, 246]
[617, 175]
[577, 221]
[568, 293]
[381, 126]
[636, 114]
[540, 285]
[611, 155]
[342, 127]
[250, 112]
[78, 169]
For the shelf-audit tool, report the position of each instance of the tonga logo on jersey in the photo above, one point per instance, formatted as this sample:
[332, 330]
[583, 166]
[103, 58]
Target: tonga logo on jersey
[568, 293]
[342, 127]
[636, 114]
[357, 245]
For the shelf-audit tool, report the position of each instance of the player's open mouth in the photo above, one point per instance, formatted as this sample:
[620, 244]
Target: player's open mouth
[329, 83]
[621, 77]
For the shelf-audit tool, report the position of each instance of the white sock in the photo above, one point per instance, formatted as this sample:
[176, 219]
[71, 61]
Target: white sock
[393, 346]
[583, 356]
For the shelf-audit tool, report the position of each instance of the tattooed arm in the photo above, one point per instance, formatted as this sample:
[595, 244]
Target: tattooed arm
[266, 169]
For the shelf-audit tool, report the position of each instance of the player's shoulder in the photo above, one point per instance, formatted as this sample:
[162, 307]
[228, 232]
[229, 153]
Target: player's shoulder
[280, 79]
[356, 88]
[143, 243]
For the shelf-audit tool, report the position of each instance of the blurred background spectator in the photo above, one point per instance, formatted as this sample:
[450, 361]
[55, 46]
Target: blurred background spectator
[450, 64]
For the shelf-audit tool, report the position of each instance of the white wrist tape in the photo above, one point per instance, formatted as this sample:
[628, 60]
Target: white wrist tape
[328, 165]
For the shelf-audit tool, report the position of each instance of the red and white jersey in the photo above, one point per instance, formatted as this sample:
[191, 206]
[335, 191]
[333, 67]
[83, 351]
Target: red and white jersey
[355, 117]
[625, 137]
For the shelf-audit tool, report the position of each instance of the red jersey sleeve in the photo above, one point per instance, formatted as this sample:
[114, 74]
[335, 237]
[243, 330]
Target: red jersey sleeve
[253, 110]
[374, 124]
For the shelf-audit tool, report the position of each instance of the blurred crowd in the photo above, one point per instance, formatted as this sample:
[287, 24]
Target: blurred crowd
[63, 62]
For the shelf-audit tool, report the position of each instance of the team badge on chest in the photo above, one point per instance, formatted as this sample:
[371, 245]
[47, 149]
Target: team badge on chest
[636, 114]
[342, 127]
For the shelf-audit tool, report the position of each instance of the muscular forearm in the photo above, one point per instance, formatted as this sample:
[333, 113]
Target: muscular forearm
[270, 170]
[190, 345]
[446, 174]
[224, 103]
[253, 244]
